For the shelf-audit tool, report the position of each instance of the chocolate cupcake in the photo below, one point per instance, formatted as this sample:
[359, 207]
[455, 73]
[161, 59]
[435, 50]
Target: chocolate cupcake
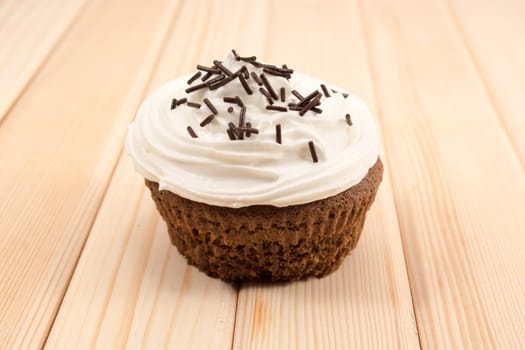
[260, 172]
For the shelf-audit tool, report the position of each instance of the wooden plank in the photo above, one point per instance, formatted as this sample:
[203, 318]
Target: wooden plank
[458, 185]
[58, 147]
[367, 302]
[137, 280]
[132, 289]
[490, 31]
[29, 29]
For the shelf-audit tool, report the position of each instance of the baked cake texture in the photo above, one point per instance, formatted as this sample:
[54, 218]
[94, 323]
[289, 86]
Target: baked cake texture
[268, 243]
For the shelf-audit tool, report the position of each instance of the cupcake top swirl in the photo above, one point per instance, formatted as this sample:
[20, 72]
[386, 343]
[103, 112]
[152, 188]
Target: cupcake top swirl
[241, 133]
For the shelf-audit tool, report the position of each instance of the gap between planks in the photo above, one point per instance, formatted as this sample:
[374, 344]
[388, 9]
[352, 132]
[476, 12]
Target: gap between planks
[113, 170]
[463, 272]
[165, 70]
[256, 298]
[31, 310]
[19, 72]
[505, 120]
[219, 50]
[375, 92]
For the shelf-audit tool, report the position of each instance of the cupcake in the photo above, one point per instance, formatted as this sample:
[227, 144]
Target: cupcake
[260, 172]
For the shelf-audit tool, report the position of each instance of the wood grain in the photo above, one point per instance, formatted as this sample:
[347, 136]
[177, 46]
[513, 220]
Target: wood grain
[443, 244]
[132, 288]
[137, 279]
[499, 61]
[458, 185]
[58, 147]
[29, 30]
[367, 303]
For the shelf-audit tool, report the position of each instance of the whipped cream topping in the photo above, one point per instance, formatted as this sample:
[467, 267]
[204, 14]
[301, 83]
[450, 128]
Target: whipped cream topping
[213, 169]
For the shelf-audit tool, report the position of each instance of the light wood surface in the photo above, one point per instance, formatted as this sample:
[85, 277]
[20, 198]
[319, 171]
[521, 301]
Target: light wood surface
[58, 147]
[459, 186]
[85, 260]
[29, 30]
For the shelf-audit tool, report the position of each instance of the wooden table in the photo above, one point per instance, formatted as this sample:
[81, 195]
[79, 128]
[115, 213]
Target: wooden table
[85, 259]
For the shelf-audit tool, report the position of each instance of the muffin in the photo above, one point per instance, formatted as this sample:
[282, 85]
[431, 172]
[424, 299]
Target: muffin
[260, 172]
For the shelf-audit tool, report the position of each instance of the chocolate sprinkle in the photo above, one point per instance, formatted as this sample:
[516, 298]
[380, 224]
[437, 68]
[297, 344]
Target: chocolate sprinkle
[219, 75]
[245, 59]
[348, 119]
[193, 104]
[295, 107]
[230, 134]
[277, 108]
[276, 72]
[208, 69]
[239, 101]
[270, 66]
[206, 76]
[242, 117]
[289, 70]
[251, 60]
[298, 95]
[235, 99]
[216, 79]
[237, 57]
[310, 104]
[325, 90]
[244, 70]
[268, 86]
[267, 95]
[230, 99]
[223, 82]
[181, 101]
[236, 131]
[245, 85]
[194, 77]
[256, 78]
[210, 106]
[282, 69]
[239, 71]
[207, 120]
[196, 87]
[312, 151]
[250, 130]
[219, 65]
[191, 132]
[307, 99]
[345, 95]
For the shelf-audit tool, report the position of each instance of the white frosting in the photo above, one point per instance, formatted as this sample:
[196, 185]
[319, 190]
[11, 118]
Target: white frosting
[257, 170]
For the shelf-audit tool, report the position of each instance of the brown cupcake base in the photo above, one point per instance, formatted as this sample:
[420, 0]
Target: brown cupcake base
[264, 242]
